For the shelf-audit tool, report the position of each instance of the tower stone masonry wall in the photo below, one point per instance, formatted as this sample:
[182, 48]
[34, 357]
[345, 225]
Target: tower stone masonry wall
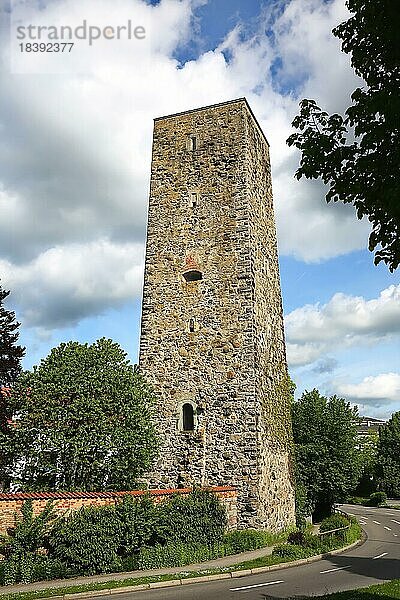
[217, 343]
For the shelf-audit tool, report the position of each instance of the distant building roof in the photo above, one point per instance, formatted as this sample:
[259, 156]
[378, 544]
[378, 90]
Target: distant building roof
[369, 424]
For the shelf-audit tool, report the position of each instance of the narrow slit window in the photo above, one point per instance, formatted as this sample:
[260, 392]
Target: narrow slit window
[188, 417]
[193, 199]
[192, 143]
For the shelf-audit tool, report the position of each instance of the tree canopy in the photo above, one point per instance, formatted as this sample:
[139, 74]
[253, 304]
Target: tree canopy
[82, 421]
[325, 437]
[358, 154]
[10, 353]
[388, 458]
[367, 458]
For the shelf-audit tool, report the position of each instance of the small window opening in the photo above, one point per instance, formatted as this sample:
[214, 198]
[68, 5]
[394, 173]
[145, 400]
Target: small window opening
[192, 143]
[191, 325]
[188, 417]
[193, 275]
[193, 199]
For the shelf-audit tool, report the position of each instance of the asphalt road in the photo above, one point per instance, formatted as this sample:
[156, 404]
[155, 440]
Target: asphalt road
[375, 561]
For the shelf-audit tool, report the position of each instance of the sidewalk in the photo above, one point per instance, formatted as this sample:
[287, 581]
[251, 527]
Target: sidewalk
[217, 563]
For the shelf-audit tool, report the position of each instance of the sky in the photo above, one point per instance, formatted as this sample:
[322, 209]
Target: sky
[75, 152]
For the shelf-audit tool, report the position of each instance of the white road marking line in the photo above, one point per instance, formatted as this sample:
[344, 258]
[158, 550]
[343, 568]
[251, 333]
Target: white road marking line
[336, 569]
[380, 555]
[248, 587]
[388, 528]
[394, 521]
[377, 522]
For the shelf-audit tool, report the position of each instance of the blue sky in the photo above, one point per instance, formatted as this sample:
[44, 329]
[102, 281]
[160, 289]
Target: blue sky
[76, 147]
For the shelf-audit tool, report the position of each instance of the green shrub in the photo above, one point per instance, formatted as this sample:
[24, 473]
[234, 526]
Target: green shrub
[87, 540]
[246, 539]
[139, 523]
[335, 521]
[98, 540]
[45, 568]
[298, 538]
[303, 506]
[172, 555]
[291, 551]
[21, 544]
[198, 518]
[353, 533]
[315, 542]
[377, 498]
[357, 500]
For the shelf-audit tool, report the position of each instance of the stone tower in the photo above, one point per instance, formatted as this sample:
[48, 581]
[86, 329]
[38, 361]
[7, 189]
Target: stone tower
[212, 340]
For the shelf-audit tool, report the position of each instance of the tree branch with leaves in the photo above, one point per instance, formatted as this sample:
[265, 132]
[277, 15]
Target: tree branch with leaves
[357, 155]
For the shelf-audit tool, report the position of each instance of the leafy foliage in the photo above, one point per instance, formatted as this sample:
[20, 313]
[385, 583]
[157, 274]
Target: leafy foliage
[174, 554]
[137, 532]
[21, 544]
[298, 537]
[196, 518]
[335, 521]
[87, 540]
[377, 499]
[83, 421]
[303, 505]
[388, 460]
[139, 524]
[325, 436]
[367, 457]
[10, 367]
[303, 545]
[250, 539]
[357, 155]
[292, 551]
[10, 353]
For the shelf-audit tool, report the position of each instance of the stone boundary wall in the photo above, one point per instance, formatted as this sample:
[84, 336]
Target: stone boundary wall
[10, 504]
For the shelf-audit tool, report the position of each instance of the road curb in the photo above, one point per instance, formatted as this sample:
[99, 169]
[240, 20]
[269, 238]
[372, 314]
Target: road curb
[216, 577]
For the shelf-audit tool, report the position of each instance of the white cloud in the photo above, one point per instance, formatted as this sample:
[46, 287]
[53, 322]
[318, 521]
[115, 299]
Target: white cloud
[345, 321]
[373, 390]
[67, 283]
[76, 148]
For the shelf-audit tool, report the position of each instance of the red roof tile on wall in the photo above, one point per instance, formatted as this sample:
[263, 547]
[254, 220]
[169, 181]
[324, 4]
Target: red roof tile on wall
[66, 495]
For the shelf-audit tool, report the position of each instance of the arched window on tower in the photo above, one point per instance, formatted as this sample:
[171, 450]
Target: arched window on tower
[188, 417]
[192, 270]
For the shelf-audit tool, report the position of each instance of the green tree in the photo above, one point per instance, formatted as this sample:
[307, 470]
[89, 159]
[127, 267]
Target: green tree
[388, 459]
[83, 421]
[10, 353]
[367, 459]
[358, 155]
[325, 437]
